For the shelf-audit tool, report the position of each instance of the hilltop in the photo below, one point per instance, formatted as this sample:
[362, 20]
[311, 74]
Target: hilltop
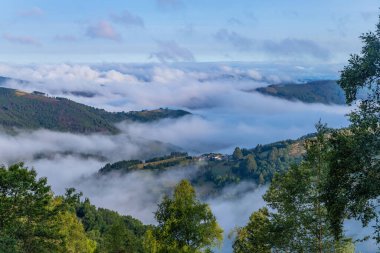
[323, 91]
[19, 109]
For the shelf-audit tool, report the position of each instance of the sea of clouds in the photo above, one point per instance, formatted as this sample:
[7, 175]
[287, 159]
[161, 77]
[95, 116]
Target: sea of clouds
[224, 115]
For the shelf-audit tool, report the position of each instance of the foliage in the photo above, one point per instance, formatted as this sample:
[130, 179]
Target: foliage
[184, 223]
[33, 220]
[357, 151]
[74, 238]
[300, 221]
[25, 212]
[150, 243]
[33, 110]
[237, 155]
[112, 231]
[258, 164]
[255, 237]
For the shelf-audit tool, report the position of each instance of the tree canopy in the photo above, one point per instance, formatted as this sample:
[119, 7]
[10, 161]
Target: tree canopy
[299, 221]
[355, 175]
[32, 219]
[185, 224]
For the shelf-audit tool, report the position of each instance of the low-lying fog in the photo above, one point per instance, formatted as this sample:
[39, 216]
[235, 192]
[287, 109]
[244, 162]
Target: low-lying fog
[224, 116]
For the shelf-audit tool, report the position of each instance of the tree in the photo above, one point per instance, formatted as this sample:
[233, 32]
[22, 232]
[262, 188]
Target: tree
[150, 243]
[255, 236]
[87, 213]
[247, 166]
[358, 150]
[26, 212]
[299, 222]
[237, 154]
[185, 224]
[74, 238]
[111, 231]
[33, 220]
[273, 155]
[250, 164]
[115, 238]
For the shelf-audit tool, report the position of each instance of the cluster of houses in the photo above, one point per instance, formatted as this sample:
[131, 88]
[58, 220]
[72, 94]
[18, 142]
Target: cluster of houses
[213, 157]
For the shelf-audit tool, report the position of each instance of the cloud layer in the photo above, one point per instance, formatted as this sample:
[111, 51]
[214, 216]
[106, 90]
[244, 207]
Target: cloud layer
[224, 116]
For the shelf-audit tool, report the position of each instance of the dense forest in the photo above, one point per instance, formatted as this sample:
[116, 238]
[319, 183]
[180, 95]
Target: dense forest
[36, 110]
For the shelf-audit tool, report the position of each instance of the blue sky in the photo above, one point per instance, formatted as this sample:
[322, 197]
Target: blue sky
[49, 31]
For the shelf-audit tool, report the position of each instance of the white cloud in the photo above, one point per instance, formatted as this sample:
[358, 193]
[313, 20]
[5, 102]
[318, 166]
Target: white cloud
[255, 74]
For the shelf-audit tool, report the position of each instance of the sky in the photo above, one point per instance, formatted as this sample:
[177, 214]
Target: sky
[297, 31]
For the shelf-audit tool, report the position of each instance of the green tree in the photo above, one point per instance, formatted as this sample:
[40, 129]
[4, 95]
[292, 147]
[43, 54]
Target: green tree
[300, 221]
[255, 236]
[273, 155]
[87, 213]
[357, 151]
[115, 238]
[250, 164]
[237, 154]
[246, 167]
[185, 224]
[111, 231]
[150, 243]
[74, 238]
[26, 212]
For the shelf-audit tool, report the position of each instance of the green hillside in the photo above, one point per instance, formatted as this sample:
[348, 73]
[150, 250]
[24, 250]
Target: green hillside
[35, 110]
[324, 91]
[216, 171]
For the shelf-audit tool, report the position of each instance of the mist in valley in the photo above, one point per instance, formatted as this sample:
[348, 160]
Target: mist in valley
[223, 116]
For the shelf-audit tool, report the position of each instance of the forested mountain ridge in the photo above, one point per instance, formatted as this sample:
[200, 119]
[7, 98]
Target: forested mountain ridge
[216, 171]
[322, 91]
[19, 109]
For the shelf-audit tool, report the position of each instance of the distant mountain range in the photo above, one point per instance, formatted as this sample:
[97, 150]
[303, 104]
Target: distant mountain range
[19, 109]
[324, 92]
